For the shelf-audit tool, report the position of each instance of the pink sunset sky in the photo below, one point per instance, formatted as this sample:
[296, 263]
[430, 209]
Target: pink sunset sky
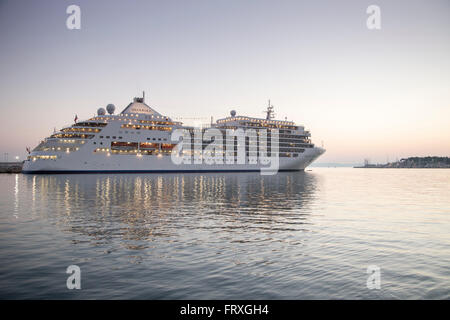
[377, 94]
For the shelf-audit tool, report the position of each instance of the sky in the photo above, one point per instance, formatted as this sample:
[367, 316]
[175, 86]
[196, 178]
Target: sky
[380, 94]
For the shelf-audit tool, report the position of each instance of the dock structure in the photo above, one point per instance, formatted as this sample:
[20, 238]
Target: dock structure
[11, 167]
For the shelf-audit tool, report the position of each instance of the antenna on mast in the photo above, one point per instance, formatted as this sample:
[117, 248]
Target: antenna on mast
[269, 112]
[143, 96]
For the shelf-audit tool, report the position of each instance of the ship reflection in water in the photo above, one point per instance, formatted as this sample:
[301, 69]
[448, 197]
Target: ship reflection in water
[139, 209]
[157, 236]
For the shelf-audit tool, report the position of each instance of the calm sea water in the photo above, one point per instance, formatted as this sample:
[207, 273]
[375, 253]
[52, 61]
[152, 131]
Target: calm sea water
[299, 235]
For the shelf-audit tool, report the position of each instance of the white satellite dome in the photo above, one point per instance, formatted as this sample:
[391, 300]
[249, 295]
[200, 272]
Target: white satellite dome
[101, 111]
[233, 113]
[110, 107]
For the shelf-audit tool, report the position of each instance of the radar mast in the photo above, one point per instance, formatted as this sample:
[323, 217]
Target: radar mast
[269, 112]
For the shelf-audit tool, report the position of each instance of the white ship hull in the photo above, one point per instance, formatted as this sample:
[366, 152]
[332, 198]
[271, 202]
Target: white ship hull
[85, 162]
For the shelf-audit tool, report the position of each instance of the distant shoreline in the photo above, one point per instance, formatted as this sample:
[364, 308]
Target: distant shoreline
[412, 163]
[381, 167]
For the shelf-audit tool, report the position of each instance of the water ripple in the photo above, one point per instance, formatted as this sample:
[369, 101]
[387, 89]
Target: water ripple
[307, 235]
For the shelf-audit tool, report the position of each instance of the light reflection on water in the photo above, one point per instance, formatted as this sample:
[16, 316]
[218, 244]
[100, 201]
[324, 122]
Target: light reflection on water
[206, 236]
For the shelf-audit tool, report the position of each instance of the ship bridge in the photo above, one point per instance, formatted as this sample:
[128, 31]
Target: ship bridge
[138, 106]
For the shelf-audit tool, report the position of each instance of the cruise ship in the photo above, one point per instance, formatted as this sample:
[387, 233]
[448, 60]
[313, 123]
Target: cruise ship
[140, 139]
